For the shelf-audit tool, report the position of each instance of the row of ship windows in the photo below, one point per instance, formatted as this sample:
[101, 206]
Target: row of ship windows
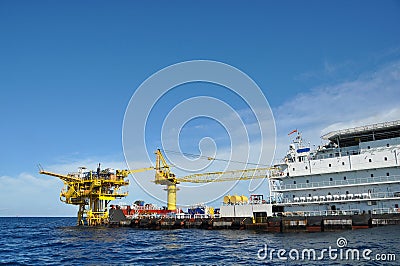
[354, 152]
[330, 165]
[347, 192]
[369, 147]
[344, 178]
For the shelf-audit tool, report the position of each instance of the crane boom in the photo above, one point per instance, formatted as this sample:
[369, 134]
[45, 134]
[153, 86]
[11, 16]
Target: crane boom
[233, 175]
[125, 173]
[65, 178]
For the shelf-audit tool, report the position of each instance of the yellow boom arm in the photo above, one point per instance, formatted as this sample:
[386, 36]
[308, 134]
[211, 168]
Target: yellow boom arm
[234, 175]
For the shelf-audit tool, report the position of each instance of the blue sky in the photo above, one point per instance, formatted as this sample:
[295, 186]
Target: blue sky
[69, 68]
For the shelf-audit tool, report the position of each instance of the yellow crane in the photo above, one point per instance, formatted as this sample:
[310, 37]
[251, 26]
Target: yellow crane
[93, 190]
[164, 176]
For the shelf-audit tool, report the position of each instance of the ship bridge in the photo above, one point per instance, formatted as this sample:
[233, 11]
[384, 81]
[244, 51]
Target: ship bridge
[353, 136]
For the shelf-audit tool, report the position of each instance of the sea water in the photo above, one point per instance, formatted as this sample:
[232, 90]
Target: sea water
[43, 241]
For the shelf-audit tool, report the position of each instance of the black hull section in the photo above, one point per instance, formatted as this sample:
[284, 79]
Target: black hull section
[271, 224]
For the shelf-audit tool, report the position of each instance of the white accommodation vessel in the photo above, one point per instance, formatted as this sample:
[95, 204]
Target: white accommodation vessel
[357, 171]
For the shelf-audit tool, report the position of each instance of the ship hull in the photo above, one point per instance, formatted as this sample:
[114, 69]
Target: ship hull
[272, 224]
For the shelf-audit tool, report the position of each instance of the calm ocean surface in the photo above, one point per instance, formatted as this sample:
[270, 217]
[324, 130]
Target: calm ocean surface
[40, 241]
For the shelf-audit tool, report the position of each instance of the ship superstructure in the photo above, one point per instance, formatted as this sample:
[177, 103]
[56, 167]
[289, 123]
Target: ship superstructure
[357, 171]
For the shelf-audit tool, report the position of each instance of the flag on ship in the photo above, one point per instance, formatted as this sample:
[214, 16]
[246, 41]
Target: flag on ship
[292, 132]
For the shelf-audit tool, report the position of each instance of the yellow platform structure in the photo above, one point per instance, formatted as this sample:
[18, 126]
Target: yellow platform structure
[92, 191]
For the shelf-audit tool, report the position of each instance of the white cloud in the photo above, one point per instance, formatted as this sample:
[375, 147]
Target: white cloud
[32, 195]
[371, 98]
[328, 70]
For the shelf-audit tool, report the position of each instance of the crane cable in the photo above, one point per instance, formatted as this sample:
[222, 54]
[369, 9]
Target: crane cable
[197, 156]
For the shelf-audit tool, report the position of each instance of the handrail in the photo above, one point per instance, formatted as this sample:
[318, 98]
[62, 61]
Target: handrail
[357, 181]
[364, 197]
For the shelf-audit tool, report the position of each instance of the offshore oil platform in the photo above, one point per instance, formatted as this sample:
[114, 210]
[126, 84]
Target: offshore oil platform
[351, 182]
[92, 191]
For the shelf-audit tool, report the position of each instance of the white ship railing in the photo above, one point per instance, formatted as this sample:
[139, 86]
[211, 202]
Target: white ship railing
[341, 212]
[323, 213]
[339, 152]
[202, 216]
[361, 129]
[386, 211]
[343, 198]
[381, 195]
[183, 216]
[338, 183]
